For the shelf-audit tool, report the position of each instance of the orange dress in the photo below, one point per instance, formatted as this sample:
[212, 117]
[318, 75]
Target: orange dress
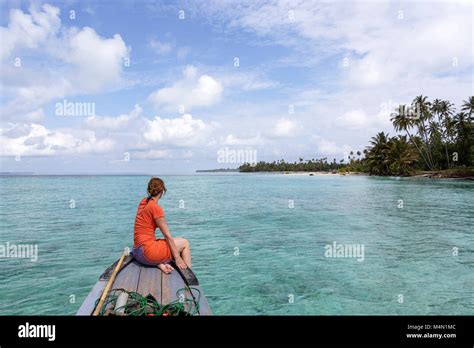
[154, 250]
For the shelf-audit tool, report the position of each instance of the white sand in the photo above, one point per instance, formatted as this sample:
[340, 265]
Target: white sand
[321, 173]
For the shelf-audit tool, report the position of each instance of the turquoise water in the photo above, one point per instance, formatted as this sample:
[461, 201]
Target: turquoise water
[281, 250]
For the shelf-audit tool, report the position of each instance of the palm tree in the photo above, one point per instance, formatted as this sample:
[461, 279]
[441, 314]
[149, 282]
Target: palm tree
[460, 121]
[403, 122]
[468, 105]
[463, 136]
[402, 155]
[424, 116]
[444, 110]
[377, 154]
[351, 156]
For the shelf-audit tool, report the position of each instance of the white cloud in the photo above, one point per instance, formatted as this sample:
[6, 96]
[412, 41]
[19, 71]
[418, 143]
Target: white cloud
[79, 61]
[354, 119]
[246, 81]
[35, 115]
[29, 30]
[327, 147]
[114, 123]
[193, 90]
[160, 47]
[181, 131]
[137, 131]
[153, 154]
[284, 128]
[132, 132]
[163, 154]
[232, 140]
[97, 61]
[381, 43]
[37, 140]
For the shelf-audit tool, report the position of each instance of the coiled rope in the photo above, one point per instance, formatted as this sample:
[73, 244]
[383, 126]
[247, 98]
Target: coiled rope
[139, 305]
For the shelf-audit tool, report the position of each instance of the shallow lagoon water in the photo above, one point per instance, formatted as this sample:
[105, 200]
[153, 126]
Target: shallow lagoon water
[258, 241]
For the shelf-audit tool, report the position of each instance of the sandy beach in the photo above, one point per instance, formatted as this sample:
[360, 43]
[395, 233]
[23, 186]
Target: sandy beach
[322, 173]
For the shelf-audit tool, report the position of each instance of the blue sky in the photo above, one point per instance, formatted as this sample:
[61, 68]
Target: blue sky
[340, 66]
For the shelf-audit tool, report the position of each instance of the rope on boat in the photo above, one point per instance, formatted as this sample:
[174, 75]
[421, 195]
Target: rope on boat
[139, 305]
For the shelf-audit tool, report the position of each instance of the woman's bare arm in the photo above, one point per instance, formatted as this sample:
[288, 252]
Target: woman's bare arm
[163, 226]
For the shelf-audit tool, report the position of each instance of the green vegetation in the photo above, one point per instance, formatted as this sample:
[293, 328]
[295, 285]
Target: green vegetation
[437, 138]
[313, 165]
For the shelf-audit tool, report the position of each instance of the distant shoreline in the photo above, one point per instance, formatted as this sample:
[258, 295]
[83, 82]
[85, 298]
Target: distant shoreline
[219, 170]
[444, 174]
[321, 173]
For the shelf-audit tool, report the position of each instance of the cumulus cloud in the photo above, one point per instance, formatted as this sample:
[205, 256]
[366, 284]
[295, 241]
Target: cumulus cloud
[155, 137]
[354, 119]
[133, 132]
[180, 131]
[97, 61]
[120, 122]
[29, 30]
[327, 147]
[284, 128]
[391, 51]
[37, 140]
[79, 61]
[193, 90]
[232, 140]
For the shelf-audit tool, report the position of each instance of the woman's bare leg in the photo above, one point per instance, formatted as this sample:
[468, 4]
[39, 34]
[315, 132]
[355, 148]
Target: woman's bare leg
[183, 248]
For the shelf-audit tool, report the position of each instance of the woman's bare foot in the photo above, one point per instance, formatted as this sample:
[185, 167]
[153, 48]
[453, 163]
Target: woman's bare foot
[165, 267]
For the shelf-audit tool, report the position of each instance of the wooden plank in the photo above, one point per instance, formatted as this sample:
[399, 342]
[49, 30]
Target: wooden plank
[89, 303]
[146, 280]
[150, 282]
[195, 292]
[108, 272]
[128, 277]
[170, 284]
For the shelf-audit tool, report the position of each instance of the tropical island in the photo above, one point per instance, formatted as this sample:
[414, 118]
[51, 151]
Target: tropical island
[438, 142]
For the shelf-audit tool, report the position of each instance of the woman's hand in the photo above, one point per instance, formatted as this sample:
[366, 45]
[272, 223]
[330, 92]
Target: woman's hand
[180, 263]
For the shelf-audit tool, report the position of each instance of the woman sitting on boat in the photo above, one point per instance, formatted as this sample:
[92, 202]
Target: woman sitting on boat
[146, 248]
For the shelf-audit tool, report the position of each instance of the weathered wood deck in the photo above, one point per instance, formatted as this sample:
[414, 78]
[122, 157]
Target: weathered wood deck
[144, 280]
